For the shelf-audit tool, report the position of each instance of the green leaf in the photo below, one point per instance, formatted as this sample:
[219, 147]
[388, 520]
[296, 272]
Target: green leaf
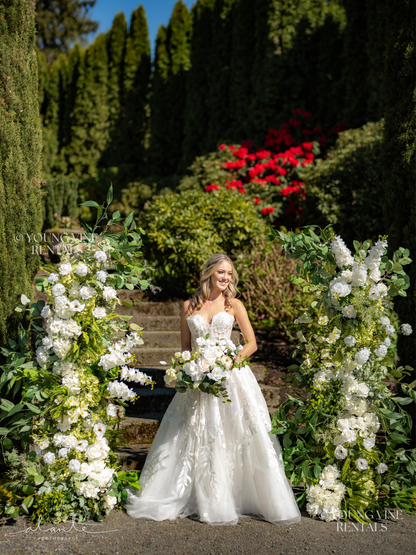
[357, 245]
[110, 195]
[4, 431]
[7, 443]
[128, 220]
[395, 436]
[28, 489]
[91, 203]
[38, 479]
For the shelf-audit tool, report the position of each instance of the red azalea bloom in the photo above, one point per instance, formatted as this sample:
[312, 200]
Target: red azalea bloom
[241, 152]
[294, 122]
[268, 210]
[222, 147]
[317, 130]
[262, 154]
[256, 200]
[241, 190]
[309, 155]
[289, 140]
[212, 187]
[251, 157]
[231, 147]
[247, 144]
[322, 141]
[307, 146]
[307, 115]
[281, 171]
[306, 132]
[297, 150]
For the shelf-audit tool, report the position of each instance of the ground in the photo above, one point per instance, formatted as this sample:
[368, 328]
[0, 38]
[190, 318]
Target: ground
[120, 534]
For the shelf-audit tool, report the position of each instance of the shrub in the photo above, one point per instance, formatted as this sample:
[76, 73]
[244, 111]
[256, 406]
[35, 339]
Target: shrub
[185, 229]
[60, 200]
[271, 300]
[267, 175]
[345, 190]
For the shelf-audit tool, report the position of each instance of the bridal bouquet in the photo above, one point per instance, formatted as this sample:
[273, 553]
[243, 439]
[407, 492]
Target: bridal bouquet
[205, 368]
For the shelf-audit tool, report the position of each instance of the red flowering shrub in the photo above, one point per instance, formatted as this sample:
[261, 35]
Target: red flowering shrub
[267, 174]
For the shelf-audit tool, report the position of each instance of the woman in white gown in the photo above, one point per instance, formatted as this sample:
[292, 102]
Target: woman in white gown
[209, 458]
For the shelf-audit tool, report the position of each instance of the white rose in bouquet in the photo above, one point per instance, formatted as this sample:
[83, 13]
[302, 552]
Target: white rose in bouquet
[361, 464]
[65, 268]
[81, 270]
[58, 289]
[99, 312]
[109, 293]
[100, 257]
[74, 465]
[49, 457]
[86, 292]
[53, 278]
[101, 276]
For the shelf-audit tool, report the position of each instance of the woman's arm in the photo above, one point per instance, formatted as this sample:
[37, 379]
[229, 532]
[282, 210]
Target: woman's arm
[185, 333]
[246, 328]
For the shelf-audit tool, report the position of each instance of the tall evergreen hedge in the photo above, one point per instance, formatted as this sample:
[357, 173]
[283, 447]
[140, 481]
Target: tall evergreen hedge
[135, 99]
[20, 159]
[399, 176]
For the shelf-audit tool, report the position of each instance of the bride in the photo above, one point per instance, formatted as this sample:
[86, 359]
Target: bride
[209, 458]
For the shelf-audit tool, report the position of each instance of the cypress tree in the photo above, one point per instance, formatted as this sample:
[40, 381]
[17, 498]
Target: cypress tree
[218, 62]
[375, 51]
[241, 70]
[178, 43]
[159, 104]
[20, 160]
[399, 155]
[198, 82]
[116, 44]
[136, 80]
[68, 93]
[90, 115]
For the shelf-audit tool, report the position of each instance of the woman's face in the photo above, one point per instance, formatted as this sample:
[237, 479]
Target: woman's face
[222, 276]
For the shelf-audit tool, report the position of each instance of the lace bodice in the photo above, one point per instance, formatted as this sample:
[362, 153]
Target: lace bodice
[220, 327]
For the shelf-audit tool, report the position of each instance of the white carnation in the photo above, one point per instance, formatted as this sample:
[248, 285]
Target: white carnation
[100, 257]
[101, 276]
[381, 351]
[362, 356]
[49, 457]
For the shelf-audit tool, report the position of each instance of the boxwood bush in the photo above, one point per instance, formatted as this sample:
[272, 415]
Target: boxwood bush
[184, 229]
[345, 189]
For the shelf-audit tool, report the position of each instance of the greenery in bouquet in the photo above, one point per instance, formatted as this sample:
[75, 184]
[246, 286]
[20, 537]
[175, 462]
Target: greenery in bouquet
[205, 368]
[63, 385]
[345, 438]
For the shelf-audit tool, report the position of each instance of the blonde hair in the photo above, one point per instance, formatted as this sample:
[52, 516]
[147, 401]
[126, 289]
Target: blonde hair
[204, 288]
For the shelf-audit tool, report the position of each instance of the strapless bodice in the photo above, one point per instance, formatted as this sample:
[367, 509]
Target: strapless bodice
[220, 327]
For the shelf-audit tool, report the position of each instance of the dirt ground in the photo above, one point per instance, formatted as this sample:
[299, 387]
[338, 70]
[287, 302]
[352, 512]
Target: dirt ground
[120, 534]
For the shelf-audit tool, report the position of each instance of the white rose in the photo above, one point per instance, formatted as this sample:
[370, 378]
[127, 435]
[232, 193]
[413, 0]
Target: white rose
[350, 340]
[85, 468]
[338, 440]
[68, 441]
[381, 468]
[100, 257]
[58, 289]
[369, 443]
[57, 439]
[349, 311]
[65, 268]
[81, 445]
[109, 293]
[42, 443]
[76, 306]
[323, 320]
[93, 452]
[99, 429]
[99, 312]
[361, 464]
[46, 311]
[343, 424]
[74, 465]
[186, 355]
[349, 436]
[110, 501]
[81, 270]
[86, 292]
[341, 452]
[374, 293]
[382, 289]
[111, 411]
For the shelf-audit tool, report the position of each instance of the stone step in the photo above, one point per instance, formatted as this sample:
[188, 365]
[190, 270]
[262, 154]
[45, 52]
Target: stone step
[162, 339]
[151, 357]
[155, 323]
[150, 401]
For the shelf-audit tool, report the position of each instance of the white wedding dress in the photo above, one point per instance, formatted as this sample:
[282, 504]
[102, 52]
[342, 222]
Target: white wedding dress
[215, 460]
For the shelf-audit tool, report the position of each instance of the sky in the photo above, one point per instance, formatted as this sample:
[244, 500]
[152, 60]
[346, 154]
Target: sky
[158, 12]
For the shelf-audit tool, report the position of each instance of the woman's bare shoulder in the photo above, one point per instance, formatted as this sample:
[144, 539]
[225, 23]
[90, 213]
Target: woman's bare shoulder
[185, 305]
[237, 305]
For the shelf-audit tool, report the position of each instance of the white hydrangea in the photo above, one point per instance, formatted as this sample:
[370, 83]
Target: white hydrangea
[61, 347]
[49, 457]
[110, 501]
[387, 342]
[406, 329]
[390, 329]
[47, 342]
[381, 351]
[72, 383]
[384, 320]
[361, 464]
[349, 311]
[362, 356]
[100, 257]
[341, 252]
[61, 301]
[81, 270]
[42, 356]
[86, 489]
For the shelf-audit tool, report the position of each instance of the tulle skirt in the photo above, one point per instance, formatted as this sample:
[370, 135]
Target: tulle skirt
[216, 461]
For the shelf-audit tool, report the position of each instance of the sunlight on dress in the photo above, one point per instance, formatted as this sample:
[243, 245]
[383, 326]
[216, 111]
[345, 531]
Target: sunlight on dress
[214, 460]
